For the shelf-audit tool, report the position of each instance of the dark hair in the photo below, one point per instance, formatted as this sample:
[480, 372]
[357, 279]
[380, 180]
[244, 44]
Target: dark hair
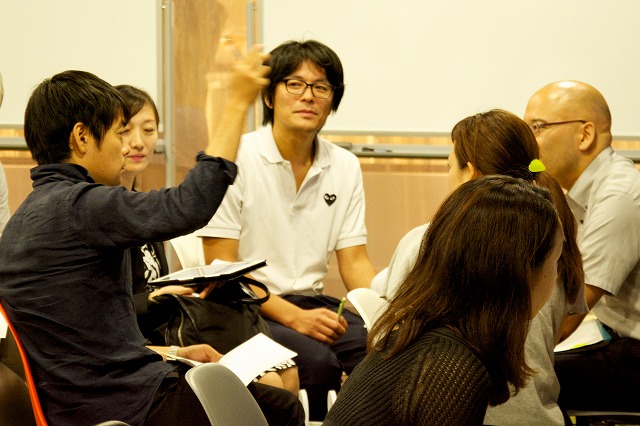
[495, 142]
[59, 103]
[570, 270]
[473, 275]
[287, 57]
[136, 99]
[499, 142]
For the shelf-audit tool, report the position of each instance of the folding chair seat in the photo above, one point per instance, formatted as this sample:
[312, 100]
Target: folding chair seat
[224, 397]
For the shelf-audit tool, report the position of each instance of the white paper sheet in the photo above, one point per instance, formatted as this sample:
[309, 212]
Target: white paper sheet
[254, 356]
[589, 332]
[251, 358]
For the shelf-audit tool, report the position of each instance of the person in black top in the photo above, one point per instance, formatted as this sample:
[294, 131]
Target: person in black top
[148, 261]
[453, 336]
[65, 272]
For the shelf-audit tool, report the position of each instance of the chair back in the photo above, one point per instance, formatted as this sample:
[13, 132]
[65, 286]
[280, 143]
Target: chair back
[189, 250]
[224, 397]
[586, 418]
[31, 385]
[368, 303]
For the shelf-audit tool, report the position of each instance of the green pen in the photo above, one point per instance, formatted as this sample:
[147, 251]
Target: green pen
[341, 307]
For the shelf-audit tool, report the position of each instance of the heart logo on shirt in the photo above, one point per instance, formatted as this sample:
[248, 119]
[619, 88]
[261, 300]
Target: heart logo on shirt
[329, 199]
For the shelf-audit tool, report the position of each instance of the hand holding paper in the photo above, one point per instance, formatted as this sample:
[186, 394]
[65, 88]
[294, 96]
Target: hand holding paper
[251, 358]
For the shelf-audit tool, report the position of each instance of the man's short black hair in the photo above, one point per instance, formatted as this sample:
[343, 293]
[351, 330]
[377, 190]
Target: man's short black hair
[287, 57]
[58, 103]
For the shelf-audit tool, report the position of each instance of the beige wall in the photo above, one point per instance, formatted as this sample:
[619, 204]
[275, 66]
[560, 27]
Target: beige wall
[398, 199]
[16, 166]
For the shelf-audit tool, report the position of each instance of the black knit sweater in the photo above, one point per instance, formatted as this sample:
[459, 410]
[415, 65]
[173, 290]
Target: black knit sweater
[437, 380]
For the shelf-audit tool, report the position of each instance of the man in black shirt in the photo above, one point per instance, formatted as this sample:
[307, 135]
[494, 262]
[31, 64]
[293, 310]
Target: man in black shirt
[65, 278]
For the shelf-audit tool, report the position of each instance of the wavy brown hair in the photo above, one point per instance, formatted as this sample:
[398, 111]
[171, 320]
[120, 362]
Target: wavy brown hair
[473, 275]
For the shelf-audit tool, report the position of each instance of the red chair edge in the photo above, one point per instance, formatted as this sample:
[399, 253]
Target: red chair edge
[31, 384]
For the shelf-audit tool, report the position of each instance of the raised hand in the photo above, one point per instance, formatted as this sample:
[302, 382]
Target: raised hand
[249, 76]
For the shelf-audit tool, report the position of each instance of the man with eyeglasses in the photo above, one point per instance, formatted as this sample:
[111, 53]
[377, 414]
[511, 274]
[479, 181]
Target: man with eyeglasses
[572, 123]
[298, 199]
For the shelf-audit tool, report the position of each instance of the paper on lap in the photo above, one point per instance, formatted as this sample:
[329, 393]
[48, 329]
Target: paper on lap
[254, 356]
[251, 358]
[589, 333]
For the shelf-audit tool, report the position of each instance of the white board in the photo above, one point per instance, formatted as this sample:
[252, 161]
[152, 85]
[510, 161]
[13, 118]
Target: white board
[118, 40]
[419, 66]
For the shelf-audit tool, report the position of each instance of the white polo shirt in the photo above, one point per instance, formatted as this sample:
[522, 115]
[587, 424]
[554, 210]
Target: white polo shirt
[605, 201]
[295, 232]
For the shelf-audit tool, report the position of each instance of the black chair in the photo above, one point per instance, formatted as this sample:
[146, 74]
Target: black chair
[604, 418]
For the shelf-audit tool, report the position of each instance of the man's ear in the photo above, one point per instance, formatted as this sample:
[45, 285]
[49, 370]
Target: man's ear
[79, 139]
[267, 102]
[588, 137]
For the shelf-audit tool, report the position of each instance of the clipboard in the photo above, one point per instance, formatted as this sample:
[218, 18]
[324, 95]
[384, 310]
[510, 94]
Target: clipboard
[217, 271]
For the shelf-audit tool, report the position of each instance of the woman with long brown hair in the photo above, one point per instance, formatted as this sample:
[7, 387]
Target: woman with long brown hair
[499, 142]
[453, 337]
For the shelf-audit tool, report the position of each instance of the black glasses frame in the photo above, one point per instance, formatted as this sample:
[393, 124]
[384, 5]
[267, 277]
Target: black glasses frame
[311, 85]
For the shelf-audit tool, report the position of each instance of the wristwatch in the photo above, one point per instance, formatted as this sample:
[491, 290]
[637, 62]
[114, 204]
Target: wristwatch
[173, 352]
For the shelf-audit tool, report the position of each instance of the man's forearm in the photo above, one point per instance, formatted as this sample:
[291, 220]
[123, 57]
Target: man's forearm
[279, 310]
[570, 322]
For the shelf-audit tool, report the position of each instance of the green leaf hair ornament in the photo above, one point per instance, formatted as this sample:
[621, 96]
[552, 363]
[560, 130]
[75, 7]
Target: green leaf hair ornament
[536, 166]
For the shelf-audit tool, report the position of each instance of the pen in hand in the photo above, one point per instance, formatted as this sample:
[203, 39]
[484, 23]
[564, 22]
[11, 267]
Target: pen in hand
[341, 307]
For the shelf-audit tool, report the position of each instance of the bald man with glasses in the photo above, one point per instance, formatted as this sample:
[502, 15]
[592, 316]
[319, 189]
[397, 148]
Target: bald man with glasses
[572, 124]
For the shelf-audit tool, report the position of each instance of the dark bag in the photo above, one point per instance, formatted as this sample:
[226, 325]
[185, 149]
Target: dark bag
[226, 318]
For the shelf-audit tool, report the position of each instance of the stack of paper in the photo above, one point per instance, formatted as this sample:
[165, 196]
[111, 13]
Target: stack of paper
[589, 333]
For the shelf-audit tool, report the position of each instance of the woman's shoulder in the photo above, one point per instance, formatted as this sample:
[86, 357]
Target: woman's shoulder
[444, 342]
[447, 380]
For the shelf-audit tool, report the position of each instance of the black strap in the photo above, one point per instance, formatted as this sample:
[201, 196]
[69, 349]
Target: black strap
[252, 297]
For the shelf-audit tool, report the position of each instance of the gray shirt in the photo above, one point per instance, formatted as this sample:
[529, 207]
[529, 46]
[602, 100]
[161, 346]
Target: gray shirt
[605, 201]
